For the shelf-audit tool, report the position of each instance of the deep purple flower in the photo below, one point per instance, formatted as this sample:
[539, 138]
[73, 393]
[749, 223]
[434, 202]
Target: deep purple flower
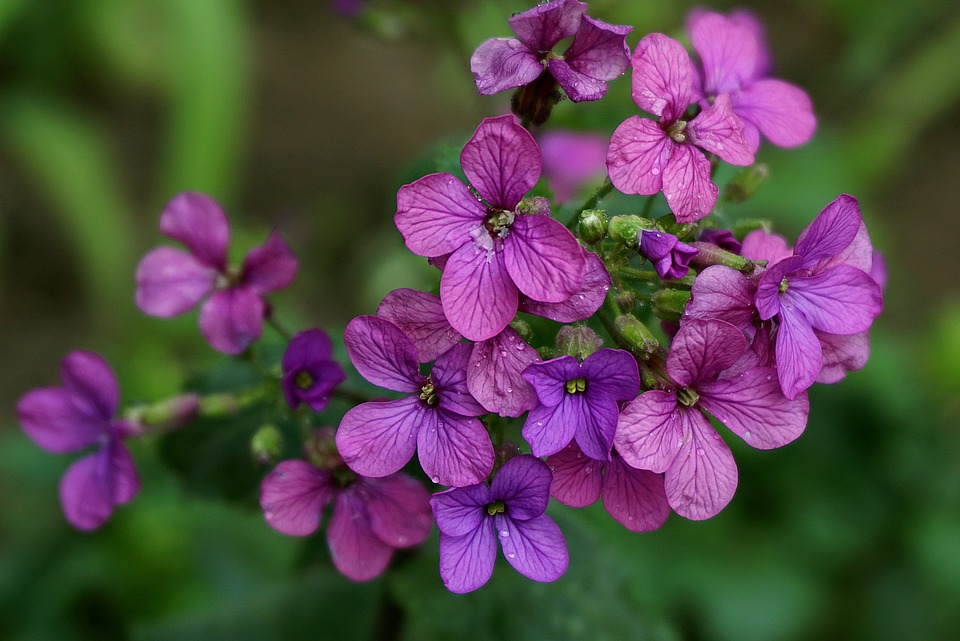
[170, 281]
[635, 498]
[511, 510]
[309, 374]
[669, 256]
[598, 54]
[371, 516]
[571, 159]
[647, 156]
[667, 430]
[722, 238]
[438, 418]
[579, 401]
[74, 417]
[735, 61]
[495, 251]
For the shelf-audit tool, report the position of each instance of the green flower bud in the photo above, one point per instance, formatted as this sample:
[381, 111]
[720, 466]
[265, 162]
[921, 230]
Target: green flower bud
[266, 445]
[637, 334]
[626, 229]
[522, 328]
[592, 227]
[746, 183]
[668, 304]
[578, 342]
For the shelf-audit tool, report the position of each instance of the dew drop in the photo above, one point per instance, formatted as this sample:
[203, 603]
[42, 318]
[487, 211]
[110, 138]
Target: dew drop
[435, 479]
[581, 296]
[478, 364]
[539, 423]
[655, 170]
[401, 540]
[503, 352]
[606, 288]
[512, 555]
[747, 436]
[700, 451]
[520, 346]
[504, 534]
[509, 390]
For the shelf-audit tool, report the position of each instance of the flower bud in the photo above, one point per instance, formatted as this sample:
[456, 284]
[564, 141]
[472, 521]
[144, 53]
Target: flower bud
[710, 254]
[746, 183]
[533, 102]
[522, 328]
[578, 342]
[668, 304]
[637, 334]
[592, 226]
[321, 449]
[626, 229]
[266, 445]
[170, 414]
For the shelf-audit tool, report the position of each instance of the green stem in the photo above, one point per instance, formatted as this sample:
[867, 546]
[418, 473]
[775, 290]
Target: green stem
[591, 202]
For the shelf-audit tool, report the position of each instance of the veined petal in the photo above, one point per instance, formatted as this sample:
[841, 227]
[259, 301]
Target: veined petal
[92, 486]
[232, 319]
[831, 231]
[599, 50]
[547, 24]
[461, 510]
[663, 77]
[535, 548]
[799, 355]
[752, 406]
[687, 185]
[503, 63]
[762, 245]
[859, 253]
[89, 376]
[356, 551]
[723, 293]
[578, 86]
[420, 316]
[293, 496]
[502, 161]
[638, 155]
[548, 429]
[549, 377]
[544, 259]
[479, 297]
[781, 111]
[650, 431]
[581, 305]
[702, 349]
[635, 498]
[198, 221]
[450, 377]
[840, 300]
[169, 282]
[383, 354]
[466, 561]
[523, 484]
[454, 450]
[727, 49]
[718, 130]
[769, 298]
[437, 214]
[703, 478]
[598, 422]
[614, 371]
[270, 267]
[378, 438]
[59, 421]
[399, 509]
[842, 354]
[576, 477]
[494, 374]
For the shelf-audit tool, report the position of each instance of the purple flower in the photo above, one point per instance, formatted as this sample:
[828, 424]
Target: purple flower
[511, 510]
[371, 516]
[667, 430]
[570, 159]
[722, 238]
[76, 416]
[309, 374]
[170, 281]
[669, 256]
[646, 157]
[598, 54]
[437, 419]
[635, 498]
[578, 401]
[495, 252]
[736, 62]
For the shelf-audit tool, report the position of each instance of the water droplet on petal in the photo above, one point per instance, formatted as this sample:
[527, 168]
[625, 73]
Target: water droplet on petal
[701, 451]
[435, 479]
[504, 534]
[512, 555]
[539, 423]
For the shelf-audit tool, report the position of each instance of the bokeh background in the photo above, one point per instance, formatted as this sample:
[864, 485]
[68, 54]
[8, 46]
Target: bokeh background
[307, 115]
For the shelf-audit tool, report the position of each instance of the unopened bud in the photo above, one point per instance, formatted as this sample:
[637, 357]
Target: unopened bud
[709, 254]
[637, 334]
[266, 445]
[625, 300]
[321, 449]
[579, 342]
[746, 183]
[592, 226]
[170, 414]
[522, 328]
[626, 229]
[668, 304]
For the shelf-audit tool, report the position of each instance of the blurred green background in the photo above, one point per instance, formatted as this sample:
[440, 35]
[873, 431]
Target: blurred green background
[304, 118]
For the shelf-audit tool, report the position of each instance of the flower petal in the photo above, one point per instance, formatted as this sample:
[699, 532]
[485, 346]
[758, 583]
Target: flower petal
[635, 498]
[198, 221]
[547, 24]
[461, 510]
[383, 354]
[59, 421]
[293, 496]
[91, 379]
[578, 86]
[549, 377]
[169, 282]
[437, 214]
[725, 294]
[466, 562]
[650, 431]
[769, 298]
[454, 450]
[523, 484]
[544, 259]
[663, 77]
[232, 319]
[93, 485]
[495, 376]
[687, 185]
[599, 50]
[614, 371]
[535, 548]
[702, 349]
[356, 551]
[576, 477]
[270, 267]
[718, 130]
[842, 354]
[450, 377]
[703, 478]
[831, 231]
[479, 298]
[781, 111]
[420, 316]
[581, 305]
[503, 63]
[727, 50]
[549, 428]
[762, 245]
[399, 509]
[799, 355]
[501, 161]
[638, 155]
[841, 300]
[378, 438]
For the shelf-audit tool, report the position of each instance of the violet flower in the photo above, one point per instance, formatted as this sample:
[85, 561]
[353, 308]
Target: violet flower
[634, 498]
[598, 53]
[646, 157]
[438, 418]
[511, 510]
[74, 417]
[735, 60]
[496, 251]
[579, 401]
[170, 281]
[309, 373]
[371, 516]
[571, 159]
[667, 430]
[669, 256]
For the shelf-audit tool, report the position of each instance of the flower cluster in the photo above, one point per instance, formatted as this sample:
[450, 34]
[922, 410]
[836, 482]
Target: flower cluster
[611, 362]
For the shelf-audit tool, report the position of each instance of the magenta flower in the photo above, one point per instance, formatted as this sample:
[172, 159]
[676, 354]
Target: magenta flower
[511, 510]
[438, 418]
[634, 498]
[667, 431]
[309, 374]
[669, 256]
[170, 281]
[371, 516]
[646, 157]
[579, 401]
[571, 159]
[735, 61]
[722, 238]
[495, 251]
[598, 53]
[74, 417]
